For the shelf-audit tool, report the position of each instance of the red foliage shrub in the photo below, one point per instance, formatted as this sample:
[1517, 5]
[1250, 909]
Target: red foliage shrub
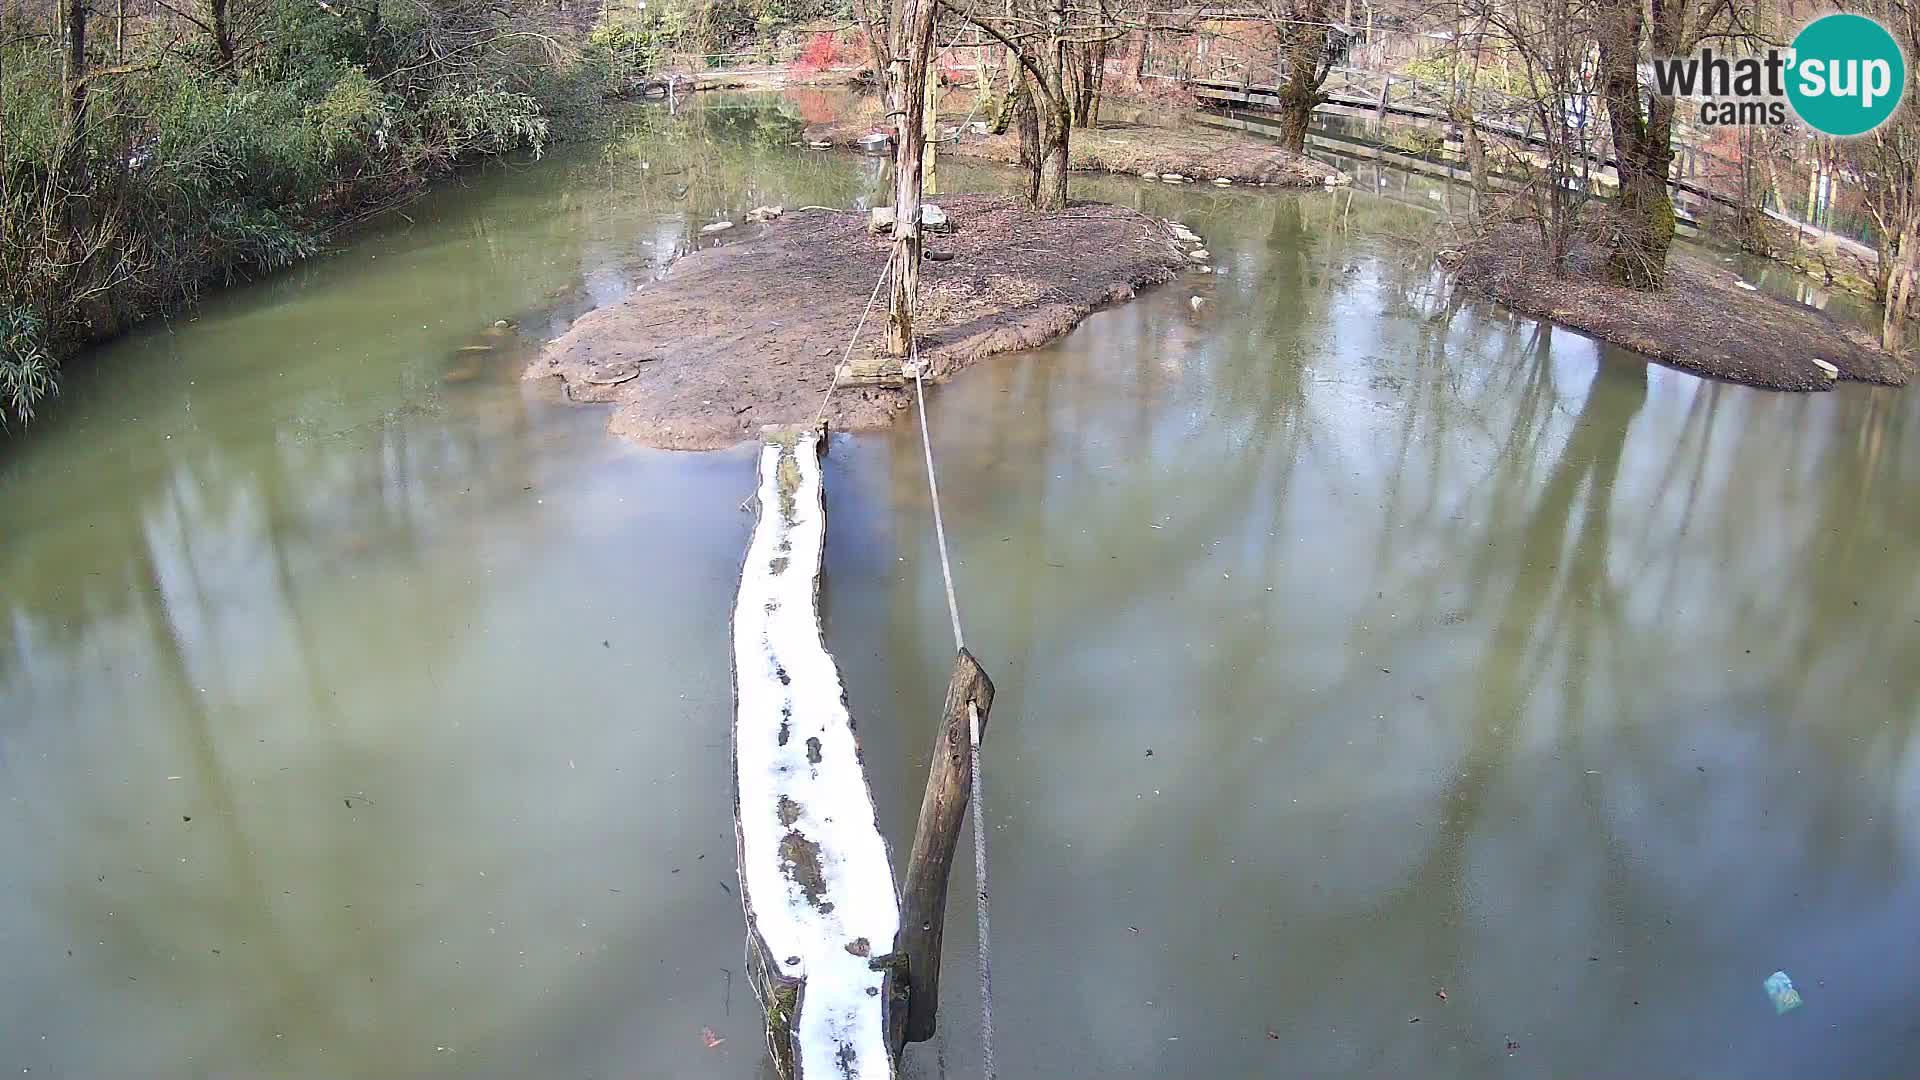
[822, 53]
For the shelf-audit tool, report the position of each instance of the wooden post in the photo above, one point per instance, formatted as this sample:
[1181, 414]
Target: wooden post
[923, 898]
[929, 184]
[912, 47]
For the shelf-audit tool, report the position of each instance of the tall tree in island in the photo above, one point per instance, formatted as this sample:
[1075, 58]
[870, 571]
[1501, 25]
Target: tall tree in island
[906, 29]
[1310, 45]
[1641, 123]
[1038, 34]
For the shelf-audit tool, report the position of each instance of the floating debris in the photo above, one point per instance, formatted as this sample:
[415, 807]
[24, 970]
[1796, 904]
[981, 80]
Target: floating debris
[1779, 987]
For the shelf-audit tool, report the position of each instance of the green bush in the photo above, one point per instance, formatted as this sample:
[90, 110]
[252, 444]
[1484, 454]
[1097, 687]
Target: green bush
[187, 172]
[458, 122]
[631, 46]
[27, 368]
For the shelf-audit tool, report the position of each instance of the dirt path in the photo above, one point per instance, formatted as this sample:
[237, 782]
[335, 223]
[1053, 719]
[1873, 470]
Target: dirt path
[1704, 321]
[748, 333]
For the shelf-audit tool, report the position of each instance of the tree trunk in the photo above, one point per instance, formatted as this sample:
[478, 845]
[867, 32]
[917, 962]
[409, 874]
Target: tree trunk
[1476, 170]
[1084, 75]
[1296, 117]
[1056, 116]
[222, 34]
[1016, 95]
[1026, 115]
[982, 75]
[907, 88]
[74, 163]
[1050, 181]
[908, 136]
[1901, 257]
[1643, 155]
[1099, 82]
[1304, 45]
[1079, 85]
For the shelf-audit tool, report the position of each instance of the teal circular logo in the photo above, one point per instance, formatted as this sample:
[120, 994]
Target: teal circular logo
[1847, 75]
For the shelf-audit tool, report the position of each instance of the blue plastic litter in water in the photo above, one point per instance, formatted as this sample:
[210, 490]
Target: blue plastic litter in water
[1780, 989]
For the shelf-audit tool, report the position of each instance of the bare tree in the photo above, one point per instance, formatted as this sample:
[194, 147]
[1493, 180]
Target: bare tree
[1087, 68]
[1039, 35]
[1550, 40]
[905, 27]
[1886, 164]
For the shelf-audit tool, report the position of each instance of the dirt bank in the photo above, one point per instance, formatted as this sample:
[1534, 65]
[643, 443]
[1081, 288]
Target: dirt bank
[748, 333]
[1704, 321]
[1200, 155]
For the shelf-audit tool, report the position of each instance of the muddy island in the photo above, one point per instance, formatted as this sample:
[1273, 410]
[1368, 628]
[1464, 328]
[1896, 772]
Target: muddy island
[748, 333]
[1706, 320]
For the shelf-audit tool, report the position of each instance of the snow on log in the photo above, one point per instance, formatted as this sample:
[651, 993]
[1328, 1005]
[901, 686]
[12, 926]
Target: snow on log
[814, 877]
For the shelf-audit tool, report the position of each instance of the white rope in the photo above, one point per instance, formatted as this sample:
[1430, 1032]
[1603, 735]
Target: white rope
[977, 795]
[987, 1069]
[933, 490]
[847, 357]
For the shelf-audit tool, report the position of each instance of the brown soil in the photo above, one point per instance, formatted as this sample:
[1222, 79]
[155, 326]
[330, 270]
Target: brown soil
[1702, 321]
[748, 333]
[1199, 154]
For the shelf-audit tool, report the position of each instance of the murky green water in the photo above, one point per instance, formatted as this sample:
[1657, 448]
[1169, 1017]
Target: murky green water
[363, 709]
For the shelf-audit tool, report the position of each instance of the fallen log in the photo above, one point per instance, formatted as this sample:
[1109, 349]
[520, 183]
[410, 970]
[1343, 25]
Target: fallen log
[815, 882]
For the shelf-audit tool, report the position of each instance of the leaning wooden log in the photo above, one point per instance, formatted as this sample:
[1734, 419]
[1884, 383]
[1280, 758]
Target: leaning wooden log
[814, 876]
[923, 903]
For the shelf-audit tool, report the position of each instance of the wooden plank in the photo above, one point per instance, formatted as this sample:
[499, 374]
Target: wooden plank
[923, 903]
[871, 371]
[815, 882]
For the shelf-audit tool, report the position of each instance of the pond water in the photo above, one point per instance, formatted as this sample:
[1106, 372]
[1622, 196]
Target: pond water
[363, 708]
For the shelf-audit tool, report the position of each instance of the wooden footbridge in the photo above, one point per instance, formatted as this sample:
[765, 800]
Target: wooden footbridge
[1384, 97]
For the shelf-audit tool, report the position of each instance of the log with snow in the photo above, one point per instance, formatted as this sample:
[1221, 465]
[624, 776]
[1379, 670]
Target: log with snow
[819, 896]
